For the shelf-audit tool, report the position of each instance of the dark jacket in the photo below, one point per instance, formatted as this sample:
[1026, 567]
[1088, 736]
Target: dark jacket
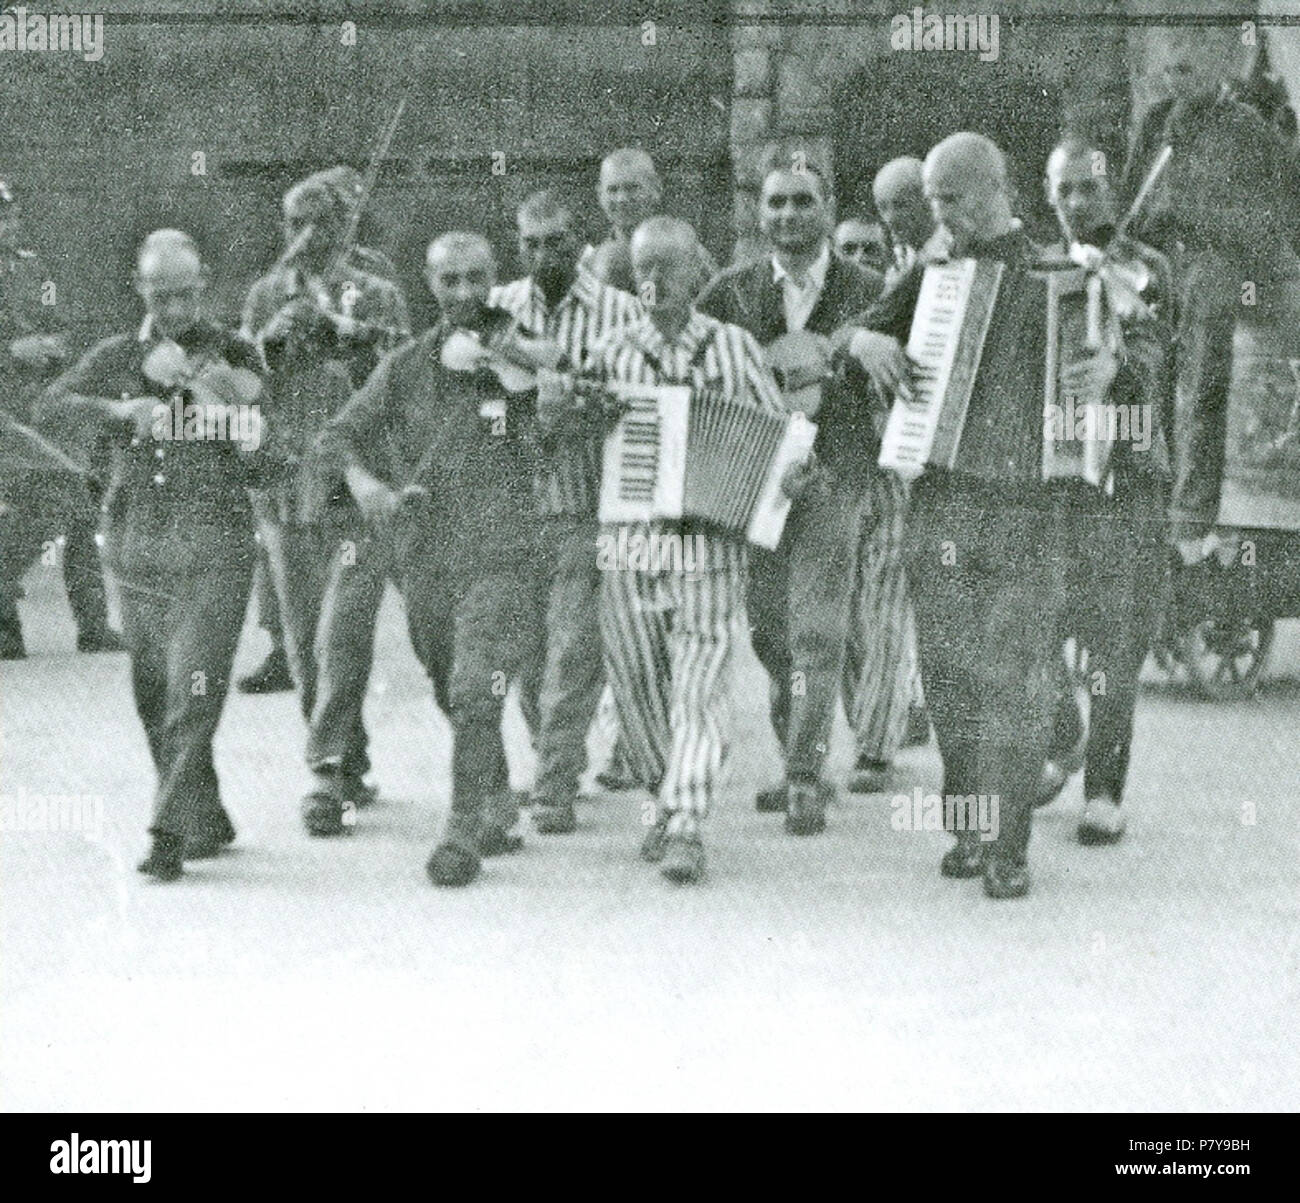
[174, 506]
[1002, 439]
[747, 295]
[460, 435]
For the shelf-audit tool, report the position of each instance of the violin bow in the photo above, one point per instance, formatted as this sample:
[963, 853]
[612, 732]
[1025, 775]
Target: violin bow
[369, 180]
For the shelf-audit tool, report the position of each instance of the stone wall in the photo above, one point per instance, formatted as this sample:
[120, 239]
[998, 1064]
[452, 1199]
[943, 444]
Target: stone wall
[823, 76]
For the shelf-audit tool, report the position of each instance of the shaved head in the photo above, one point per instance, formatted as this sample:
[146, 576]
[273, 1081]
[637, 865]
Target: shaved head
[970, 154]
[899, 193]
[899, 173]
[459, 245]
[629, 189]
[628, 161]
[664, 231]
[168, 252]
[170, 279]
[966, 184]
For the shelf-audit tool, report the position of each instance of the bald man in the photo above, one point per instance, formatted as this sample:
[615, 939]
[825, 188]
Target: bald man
[1116, 533]
[629, 191]
[453, 484]
[899, 196]
[982, 538]
[669, 632]
[561, 301]
[179, 536]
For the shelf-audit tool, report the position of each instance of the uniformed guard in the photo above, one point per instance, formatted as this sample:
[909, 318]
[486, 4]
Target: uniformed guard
[180, 403]
[37, 506]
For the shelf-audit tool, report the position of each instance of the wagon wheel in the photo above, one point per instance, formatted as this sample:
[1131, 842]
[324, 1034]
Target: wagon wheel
[1224, 658]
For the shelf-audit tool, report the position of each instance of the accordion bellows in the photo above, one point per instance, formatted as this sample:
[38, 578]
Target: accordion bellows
[679, 452]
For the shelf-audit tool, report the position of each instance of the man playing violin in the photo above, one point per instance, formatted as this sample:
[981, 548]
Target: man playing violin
[562, 302]
[1116, 534]
[322, 323]
[179, 526]
[799, 595]
[454, 484]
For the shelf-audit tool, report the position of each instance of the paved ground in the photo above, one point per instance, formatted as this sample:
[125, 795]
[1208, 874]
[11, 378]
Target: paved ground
[833, 972]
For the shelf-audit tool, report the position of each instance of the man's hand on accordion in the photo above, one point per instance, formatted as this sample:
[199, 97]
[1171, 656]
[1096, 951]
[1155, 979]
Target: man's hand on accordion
[801, 477]
[883, 359]
[1088, 380]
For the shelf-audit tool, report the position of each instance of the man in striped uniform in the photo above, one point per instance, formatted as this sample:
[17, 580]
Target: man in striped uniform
[562, 302]
[670, 629]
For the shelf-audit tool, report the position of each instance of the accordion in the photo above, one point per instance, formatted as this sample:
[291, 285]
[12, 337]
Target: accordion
[960, 302]
[678, 452]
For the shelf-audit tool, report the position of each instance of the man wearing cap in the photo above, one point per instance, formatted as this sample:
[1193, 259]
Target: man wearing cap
[321, 324]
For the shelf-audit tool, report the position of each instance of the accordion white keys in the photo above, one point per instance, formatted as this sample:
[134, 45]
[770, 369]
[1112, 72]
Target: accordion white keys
[679, 452]
[949, 326]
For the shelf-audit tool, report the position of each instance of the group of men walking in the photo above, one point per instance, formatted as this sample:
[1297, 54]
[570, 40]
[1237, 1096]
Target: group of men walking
[463, 465]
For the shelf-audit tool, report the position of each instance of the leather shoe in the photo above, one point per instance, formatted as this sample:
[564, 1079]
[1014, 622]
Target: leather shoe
[1005, 878]
[964, 859]
[208, 841]
[324, 813]
[272, 676]
[452, 864]
[164, 860]
[683, 860]
[554, 818]
[771, 801]
[806, 814]
[869, 776]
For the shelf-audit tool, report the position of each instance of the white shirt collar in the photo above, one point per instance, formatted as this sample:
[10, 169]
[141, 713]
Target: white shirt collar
[815, 278]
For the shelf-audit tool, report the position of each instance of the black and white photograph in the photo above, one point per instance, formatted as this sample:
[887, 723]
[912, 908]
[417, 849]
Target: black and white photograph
[693, 557]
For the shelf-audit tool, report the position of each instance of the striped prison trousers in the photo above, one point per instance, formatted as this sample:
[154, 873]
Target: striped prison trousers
[669, 641]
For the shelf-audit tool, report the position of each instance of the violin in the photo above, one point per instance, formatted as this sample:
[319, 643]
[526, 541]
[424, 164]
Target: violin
[800, 361]
[514, 358]
[208, 379]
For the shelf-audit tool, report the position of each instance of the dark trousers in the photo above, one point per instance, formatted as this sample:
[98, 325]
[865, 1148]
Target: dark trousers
[988, 588]
[326, 570]
[575, 672]
[42, 509]
[268, 603]
[182, 632]
[800, 606]
[1118, 564]
[476, 631]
